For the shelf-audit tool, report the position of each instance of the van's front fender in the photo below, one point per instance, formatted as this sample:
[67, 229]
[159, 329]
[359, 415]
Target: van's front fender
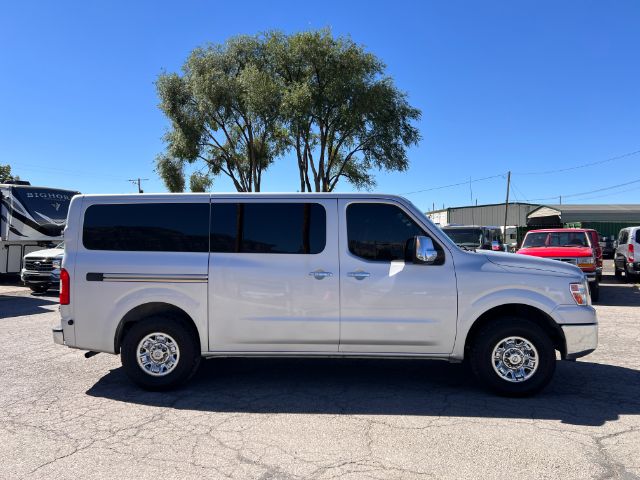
[470, 312]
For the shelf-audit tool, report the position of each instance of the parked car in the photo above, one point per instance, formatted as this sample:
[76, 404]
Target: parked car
[41, 269]
[473, 237]
[164, 280]
[608, 245]
[627, 256]
[594, 240]
[568, 245]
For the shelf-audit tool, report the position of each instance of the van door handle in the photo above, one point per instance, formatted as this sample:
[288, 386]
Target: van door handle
[359, 275]
[320, 274]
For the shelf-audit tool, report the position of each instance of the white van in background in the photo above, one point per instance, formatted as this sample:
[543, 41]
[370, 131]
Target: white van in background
[627, 256]
[165, 280]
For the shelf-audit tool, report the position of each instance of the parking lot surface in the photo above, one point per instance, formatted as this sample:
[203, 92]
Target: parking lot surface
[63, 416]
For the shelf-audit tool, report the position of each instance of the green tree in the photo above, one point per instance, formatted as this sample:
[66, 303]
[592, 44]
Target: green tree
[5, 174]
[345, 118]
[239, 106]
[224, 111]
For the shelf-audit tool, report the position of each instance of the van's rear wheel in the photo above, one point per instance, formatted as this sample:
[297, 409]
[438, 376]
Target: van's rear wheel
[160, 353]
[513, 357]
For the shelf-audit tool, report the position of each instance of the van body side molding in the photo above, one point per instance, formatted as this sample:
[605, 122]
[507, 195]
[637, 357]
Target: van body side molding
[141, 277]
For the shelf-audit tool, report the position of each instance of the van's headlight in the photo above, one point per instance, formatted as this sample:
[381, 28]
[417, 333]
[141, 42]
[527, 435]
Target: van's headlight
[585, 261]
[580, 293]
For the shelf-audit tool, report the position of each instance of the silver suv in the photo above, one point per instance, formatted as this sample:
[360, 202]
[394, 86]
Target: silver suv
[627, 256]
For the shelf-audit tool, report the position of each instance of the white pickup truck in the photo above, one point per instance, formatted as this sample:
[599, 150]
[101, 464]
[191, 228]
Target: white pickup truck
[165, 280]
[41, 269]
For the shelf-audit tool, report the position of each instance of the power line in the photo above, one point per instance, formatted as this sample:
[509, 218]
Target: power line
[136, 181]
[612, 194]
[585, 193]
[466, 182]
[560, 170]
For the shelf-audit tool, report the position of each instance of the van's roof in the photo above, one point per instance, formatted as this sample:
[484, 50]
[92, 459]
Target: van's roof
[150, 196]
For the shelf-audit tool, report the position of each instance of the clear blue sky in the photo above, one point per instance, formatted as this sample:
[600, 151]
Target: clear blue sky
[525, 86]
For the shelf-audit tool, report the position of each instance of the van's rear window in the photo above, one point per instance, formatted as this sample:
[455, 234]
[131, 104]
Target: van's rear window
[147, 227]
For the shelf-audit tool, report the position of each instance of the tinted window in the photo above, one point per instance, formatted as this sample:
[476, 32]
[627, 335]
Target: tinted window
[637, 236]
[380, 232]
[151, 227]
[468, 237]
[268, 228]
[556, 239]
[623, 236]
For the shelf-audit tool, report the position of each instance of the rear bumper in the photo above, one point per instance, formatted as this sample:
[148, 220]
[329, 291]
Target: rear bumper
[581, 340]
[58, 335]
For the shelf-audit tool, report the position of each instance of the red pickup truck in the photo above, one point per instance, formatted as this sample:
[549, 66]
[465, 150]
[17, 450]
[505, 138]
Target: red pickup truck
[570, 245]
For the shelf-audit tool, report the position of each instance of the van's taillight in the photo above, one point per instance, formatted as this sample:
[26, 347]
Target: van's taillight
[630, 253]
[65, 285]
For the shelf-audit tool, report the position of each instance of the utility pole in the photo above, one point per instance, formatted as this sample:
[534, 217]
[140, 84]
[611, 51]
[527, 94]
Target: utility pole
[560, 199]
[506, 206]
[136, 181]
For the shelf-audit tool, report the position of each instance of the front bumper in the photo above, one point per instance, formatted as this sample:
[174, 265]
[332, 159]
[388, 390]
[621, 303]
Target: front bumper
[581, 340]
[58, 335]
[29, 276]
[579, 325]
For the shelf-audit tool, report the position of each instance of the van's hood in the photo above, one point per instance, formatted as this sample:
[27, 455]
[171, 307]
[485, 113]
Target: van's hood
[532, 263]
[48, 253]
[557, 251]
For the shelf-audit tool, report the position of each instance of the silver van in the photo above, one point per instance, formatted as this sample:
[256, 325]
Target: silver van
[165, 280]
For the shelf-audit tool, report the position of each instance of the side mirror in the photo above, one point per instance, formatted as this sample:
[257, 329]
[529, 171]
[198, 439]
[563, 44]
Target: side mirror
[424, 251]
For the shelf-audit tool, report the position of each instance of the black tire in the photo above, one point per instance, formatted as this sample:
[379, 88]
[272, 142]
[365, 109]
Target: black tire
[481, 356]
[188, 347]
[617, 272]
[39, 287]
[629, 276]
[594, 289]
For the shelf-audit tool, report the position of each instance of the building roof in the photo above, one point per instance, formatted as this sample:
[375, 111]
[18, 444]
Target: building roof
[483, 205]
[589, 213]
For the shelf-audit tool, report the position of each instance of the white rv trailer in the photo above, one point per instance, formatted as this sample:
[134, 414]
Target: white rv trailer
[31, 218]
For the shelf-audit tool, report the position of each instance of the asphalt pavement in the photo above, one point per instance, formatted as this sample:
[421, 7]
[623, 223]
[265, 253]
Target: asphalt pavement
[66, 417]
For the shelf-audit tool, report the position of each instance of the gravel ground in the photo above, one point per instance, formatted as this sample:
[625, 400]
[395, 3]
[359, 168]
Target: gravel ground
[64, 416]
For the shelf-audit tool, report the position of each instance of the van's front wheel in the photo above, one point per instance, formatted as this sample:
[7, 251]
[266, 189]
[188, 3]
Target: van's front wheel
[159, 353]
[513, 357]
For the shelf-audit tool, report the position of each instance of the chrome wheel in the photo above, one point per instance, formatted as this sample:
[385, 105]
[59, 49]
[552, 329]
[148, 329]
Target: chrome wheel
[515, 359]
[158, 354]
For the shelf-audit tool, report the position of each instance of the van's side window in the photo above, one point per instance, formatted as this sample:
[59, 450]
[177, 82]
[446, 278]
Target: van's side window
[147, 227]
[381, 232]
[268, 228]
